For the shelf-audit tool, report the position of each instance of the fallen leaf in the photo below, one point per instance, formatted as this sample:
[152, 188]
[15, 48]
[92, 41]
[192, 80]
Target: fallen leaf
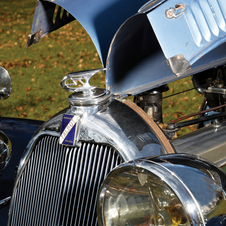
[20, 108]
[28, 89]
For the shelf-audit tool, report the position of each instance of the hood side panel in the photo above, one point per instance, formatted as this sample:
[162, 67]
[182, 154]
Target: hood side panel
[191, 29]
[138, 59]
[100, 18]
[48, 17]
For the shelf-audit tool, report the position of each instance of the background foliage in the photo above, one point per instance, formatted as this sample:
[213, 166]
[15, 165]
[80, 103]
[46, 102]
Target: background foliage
[36, 71]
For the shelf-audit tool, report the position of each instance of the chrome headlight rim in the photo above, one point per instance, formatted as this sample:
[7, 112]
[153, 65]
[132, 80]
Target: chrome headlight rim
[154, 166]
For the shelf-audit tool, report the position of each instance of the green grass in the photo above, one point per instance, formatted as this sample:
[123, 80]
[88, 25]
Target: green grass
[36, 71]
[182, 104]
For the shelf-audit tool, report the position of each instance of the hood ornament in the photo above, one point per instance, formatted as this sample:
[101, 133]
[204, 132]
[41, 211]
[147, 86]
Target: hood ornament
[71, 81]
[85, 94]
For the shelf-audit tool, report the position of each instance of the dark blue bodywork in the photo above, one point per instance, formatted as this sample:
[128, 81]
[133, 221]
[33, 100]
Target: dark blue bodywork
[19, 131]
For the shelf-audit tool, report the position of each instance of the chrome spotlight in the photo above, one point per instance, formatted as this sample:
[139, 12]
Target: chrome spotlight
[5, 151]
[167, 190]
[5, 84]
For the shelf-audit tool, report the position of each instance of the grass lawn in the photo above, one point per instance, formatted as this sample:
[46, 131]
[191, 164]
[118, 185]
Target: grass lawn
[36, 71]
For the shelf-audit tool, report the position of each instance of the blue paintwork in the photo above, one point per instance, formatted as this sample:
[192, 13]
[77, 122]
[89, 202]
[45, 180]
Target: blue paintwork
[100, 18]
[19, 132]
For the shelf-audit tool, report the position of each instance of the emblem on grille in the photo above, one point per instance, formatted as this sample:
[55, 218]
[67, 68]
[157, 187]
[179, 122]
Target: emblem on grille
[69, 129]
[72, 81]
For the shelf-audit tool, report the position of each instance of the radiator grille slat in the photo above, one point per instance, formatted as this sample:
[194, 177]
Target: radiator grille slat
[59, 185]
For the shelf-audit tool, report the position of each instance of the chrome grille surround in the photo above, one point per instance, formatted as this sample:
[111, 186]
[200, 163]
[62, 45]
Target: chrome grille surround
[59, 185]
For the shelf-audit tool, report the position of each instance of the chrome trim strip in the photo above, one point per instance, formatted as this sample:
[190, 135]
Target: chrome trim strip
[208, 142]
[4, 202]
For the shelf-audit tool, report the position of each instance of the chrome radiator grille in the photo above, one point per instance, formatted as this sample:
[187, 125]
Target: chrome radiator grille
[59, 185]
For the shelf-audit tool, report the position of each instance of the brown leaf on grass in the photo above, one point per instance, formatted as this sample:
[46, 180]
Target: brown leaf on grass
[24, 114]
[165, 115]
[37, 98]
[28, 89]
[20, 108]
[180, 112]
[60, 55]
[171, 90]
[191, 127]
[33, 79]
[41, 66]
[50, 99]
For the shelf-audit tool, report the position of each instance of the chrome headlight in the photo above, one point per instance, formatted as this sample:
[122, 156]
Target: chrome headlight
[5, 151]
[168, 190]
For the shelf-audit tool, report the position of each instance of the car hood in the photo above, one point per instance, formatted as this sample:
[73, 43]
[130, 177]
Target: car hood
[144, 45]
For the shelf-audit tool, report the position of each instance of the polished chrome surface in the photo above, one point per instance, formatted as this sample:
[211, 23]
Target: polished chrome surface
[135, 197]
[215, 90]
[71, 81]
[150, 5]
[133, 69]
[200, 27]
[5, 151]
[208, 142]
[176, 11]
[111, 125]
[59, 185]
[4, 202]
[84, 94]
[97, 96]
[114, 124]
[5, 84]
[197, 183]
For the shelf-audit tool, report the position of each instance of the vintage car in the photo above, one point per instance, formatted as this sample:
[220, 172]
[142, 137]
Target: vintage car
[108, 160]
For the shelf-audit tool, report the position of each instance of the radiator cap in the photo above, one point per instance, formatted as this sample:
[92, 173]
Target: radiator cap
[85, 94]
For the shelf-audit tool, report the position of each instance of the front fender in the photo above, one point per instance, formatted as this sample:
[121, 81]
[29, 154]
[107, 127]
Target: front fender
[19, 131]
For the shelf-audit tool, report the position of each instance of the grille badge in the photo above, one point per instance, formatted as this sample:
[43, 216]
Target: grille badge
[69, 130]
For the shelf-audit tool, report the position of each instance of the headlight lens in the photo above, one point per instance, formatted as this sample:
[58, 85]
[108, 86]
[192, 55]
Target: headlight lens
[169, 190]
[141, 198]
